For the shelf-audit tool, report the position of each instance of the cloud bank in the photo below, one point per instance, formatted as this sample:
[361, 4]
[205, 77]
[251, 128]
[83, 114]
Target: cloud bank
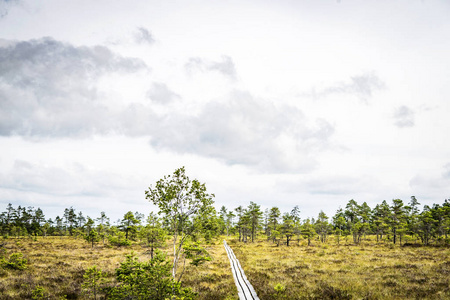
[48, 88]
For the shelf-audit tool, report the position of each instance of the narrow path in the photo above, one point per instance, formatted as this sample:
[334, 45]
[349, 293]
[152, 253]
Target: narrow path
[245, 289]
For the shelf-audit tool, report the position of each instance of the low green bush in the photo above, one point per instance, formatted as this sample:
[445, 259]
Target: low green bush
[15, 262]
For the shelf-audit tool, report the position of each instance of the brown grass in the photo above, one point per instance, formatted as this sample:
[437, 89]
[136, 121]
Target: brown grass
[329, 271]
[320, 271]
[58, 263]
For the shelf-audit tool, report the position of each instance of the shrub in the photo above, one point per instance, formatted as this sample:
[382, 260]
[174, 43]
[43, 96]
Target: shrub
[196, 253]
[93, 281]
[118, 241]
[148, 280]
[279, 288]
[15, 261]
[38, 293]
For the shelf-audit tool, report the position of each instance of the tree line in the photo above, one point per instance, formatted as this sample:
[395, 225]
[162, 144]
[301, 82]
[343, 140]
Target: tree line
[396, 222]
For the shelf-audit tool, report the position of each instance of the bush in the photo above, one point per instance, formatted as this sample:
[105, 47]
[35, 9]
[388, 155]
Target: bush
[15, 261]
[93, 281]
[118, 241]
[279, 288]
[148, 280]
[38, 293]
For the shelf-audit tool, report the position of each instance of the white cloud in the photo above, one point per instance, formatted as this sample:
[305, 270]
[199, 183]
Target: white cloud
[160, 93]
[48, 88]
[404, 117]
[76, 185]
[100, 101]
[431, 186]
[225, 66]
[248, 131]
[143, 36]
[5, 6]
[361, 86]
[65, 181]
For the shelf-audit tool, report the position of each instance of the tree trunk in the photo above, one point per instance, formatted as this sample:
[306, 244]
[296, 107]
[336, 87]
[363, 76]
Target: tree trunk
[174, 268]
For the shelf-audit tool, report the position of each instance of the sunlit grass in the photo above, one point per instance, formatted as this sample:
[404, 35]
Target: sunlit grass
[329, 271]
[319, 271]
[58, 265]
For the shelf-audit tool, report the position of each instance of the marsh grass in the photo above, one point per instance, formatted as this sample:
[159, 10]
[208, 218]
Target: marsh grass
[321, 271]
[365, 271]
[56, 265]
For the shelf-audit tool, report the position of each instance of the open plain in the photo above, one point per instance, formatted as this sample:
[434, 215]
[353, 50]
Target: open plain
[370, 270]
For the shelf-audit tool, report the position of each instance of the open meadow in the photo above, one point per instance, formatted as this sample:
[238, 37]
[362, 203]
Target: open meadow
[56, 265]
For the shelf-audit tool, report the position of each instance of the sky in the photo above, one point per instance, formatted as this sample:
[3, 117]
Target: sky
[283, 103]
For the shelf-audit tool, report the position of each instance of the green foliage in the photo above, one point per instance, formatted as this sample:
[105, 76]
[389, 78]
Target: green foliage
[279, 288]
[93, 279]
[181, 201]
[15, 262]
[147, 280]
[287, 227]
[308, 230]
[129, 225]
[153, 234]
[322, 227]
[117, 238]
[39, 293]
[196, 253]
[92, 237]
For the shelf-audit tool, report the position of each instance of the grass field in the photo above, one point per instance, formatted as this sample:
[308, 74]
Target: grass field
[320, 271]
[328, 271]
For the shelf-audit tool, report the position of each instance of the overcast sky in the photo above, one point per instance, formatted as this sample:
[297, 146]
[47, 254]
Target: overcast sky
[283, 103]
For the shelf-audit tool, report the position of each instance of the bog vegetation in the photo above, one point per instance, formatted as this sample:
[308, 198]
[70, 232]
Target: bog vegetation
[395, 250]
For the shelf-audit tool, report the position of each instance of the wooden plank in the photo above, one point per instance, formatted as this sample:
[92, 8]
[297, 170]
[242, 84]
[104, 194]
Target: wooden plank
[245, 289]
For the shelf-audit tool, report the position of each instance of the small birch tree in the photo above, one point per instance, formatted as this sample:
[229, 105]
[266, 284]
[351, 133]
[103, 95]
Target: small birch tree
[180, 201]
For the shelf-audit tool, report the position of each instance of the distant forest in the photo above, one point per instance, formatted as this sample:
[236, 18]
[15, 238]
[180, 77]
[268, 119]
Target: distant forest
[394, 222]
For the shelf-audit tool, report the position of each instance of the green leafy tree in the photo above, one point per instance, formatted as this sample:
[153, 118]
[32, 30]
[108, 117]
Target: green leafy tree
[426, 224]
[255, 215]
[287, 227]
[380, 219]
[412, 211]
[229, 221]
[103, 226]
[274, 216]
[239, 213]
[365, 213]
[180, 200]
[208, 226]
[339, 224]
[322, 226]
[308, 230]
[93, 280]
[89, 225]
[295, 213]
[222, 219]
[397, 221]
[92, 237]
[129, 224]
[153, 233]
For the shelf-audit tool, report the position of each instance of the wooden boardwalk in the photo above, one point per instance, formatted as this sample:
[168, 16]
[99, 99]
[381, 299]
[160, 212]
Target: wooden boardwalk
[245, 289]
